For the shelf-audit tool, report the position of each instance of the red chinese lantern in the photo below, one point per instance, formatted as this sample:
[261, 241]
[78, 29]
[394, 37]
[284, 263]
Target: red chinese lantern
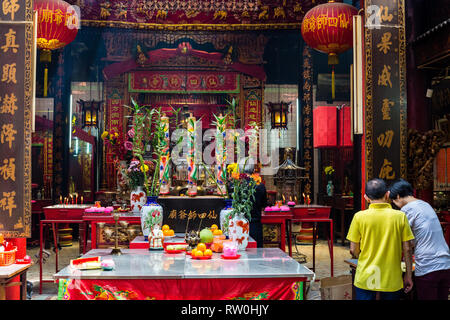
[332, 127]
[328, 28]
[57, 26]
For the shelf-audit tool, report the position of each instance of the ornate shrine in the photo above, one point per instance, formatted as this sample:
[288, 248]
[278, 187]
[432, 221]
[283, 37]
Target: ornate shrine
[182, 77]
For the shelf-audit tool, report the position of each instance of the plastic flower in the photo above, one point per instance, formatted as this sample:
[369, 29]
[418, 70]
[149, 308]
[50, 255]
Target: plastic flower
[232, 168]
[128, 145]
[235, 175]
[256, 177]
[144, 168]
[329, 170]
[104, 134]
[131, 133]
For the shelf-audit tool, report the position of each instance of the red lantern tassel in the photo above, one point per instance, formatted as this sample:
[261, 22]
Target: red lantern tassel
[333, 84]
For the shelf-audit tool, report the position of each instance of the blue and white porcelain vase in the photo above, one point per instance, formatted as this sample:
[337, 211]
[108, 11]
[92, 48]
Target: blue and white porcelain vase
[151, 215]
[225, 216]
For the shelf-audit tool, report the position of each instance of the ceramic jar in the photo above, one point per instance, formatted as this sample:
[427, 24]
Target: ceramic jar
[151, 215]
[137, 199]
[239, 230]
[225, 216]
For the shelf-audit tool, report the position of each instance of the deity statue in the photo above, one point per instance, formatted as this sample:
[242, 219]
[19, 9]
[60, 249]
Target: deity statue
[155, 238]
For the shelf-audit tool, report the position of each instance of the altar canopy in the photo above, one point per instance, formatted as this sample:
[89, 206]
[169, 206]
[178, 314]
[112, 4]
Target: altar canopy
[184, 49]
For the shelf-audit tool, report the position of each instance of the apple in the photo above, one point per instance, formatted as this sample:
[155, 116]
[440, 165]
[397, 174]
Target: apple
[206, 236]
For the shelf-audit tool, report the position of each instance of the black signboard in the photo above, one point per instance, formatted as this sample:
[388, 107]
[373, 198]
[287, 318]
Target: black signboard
[16, 96]
[386, 131]
[200, 211]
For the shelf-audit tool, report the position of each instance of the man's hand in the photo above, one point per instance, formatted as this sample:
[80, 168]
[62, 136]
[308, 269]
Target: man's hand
[407, 283]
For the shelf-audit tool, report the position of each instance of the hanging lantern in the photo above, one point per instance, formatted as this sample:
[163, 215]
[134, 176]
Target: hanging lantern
[90, 112]
[328, 28]
[58, 24]
[278, 114]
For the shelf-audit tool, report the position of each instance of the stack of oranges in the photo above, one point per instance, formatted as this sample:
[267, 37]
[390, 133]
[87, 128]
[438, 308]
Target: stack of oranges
[201, 251]
[215, 230]
[167, 232]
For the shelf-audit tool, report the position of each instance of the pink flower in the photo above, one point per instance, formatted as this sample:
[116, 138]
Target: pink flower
[131, 133]
[128, 145]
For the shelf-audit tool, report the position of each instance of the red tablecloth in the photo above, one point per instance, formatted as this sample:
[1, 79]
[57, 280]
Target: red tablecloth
[182, 289]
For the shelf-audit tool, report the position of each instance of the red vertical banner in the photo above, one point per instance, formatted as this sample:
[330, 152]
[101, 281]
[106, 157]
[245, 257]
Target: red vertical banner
[114, 124]
[252, 109]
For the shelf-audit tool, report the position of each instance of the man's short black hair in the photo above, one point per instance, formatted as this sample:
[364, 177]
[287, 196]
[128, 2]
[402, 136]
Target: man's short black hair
[376, 189]
[401, 188]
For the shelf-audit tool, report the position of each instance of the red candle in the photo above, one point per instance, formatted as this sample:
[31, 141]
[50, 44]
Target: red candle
[81, 199]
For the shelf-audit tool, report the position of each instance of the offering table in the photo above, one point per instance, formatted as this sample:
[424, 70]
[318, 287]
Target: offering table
[260, 273]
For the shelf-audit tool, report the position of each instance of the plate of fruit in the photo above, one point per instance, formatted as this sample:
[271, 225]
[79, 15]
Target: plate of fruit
[175, 248]
[201, 252]
[167, 232]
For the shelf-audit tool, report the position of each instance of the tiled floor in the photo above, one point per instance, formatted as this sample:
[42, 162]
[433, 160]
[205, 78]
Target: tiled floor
[49, 290]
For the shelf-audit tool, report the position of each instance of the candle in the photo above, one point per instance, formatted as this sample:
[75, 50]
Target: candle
[60, 199]
[76, 198]
[81, 199]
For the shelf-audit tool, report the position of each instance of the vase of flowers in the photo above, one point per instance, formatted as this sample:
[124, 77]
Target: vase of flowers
[151, 215]
[135, 175]
[148, 126]
[244, 187]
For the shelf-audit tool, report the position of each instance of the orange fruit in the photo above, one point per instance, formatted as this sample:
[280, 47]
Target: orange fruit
[217, 232]
[165, 233]
[199, 253]
[207, 253]
[193, 251]
[170, 232]
[201, 247]
[165, 227]
[214, 227]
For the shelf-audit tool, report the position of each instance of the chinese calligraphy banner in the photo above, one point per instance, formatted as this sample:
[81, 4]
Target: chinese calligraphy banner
[200, 211]
[115, 116]
[16, 96]
[386, 133]
[183, 82]
[253, 109]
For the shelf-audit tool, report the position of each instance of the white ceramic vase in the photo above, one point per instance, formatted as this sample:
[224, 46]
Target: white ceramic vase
[239, 231]
[225, 216]
[137, 199]
[151, 215]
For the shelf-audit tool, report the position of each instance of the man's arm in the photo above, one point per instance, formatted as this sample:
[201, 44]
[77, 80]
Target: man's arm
[354, 249]
[407, 256]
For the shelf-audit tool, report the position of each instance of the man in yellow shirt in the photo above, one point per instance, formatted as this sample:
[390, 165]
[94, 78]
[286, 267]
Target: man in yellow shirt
[378, 236]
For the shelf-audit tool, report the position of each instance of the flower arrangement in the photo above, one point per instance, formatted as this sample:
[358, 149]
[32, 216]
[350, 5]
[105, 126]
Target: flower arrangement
[329, 171]
[122, 149]
[149, 127]
[244, 187]
[135, 172]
